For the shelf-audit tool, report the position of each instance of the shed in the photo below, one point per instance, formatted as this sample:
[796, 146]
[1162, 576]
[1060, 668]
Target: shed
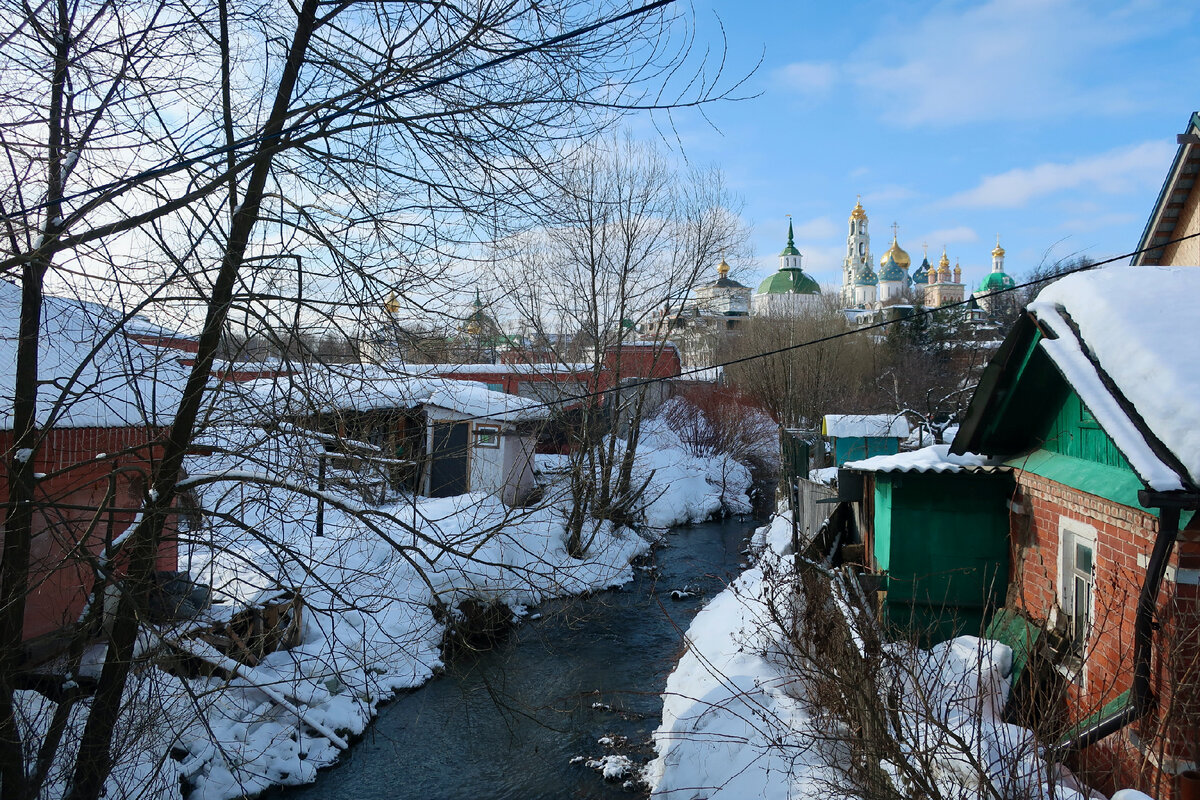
[935, 526]
[432, 436]
[858, 436]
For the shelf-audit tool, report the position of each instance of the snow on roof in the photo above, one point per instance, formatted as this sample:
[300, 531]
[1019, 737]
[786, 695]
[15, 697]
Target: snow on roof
[1136, 327]
[843, 425]
[355, 387]
[120, 383]
[935, 458]
[141, 326]
[433, 370]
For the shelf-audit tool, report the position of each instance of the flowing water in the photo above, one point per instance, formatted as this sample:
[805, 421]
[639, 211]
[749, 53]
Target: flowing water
[505, 723]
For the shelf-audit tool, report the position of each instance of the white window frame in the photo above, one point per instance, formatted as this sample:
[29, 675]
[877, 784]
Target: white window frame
[1072, 534]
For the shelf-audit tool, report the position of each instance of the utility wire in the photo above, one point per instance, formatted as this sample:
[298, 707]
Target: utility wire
[320, 120]
[924, 312]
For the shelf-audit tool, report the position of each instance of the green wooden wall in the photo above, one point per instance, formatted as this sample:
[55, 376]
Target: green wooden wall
[856, 448]
[943, 540]
[1074, 432]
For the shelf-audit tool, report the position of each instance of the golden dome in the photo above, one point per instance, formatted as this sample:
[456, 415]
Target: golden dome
[999, 251]
[393, 304]
[895, 251]
[944, 263]
[858, 212]
[722, 268]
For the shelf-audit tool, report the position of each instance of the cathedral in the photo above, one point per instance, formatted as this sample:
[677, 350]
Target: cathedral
[865, 290]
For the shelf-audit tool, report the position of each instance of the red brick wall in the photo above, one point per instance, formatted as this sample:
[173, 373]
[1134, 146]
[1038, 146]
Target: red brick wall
[1123, 534]
[79, 465]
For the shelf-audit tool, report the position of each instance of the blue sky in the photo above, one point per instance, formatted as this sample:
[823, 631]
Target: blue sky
[1051, 123]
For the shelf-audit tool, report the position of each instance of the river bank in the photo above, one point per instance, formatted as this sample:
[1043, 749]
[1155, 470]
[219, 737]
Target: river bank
[578, 679]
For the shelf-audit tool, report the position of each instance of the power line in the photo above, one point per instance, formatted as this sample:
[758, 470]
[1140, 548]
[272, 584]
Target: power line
[842, 334]
[320, 120]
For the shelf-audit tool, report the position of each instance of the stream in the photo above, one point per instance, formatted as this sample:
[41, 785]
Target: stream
[506, 722]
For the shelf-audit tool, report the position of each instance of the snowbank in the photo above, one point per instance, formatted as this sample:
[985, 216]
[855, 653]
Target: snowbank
[737, 723]
[379, 589]
[686, 488]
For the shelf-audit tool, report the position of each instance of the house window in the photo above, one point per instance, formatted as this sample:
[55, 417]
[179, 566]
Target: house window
[1077, 580]
[487, 436]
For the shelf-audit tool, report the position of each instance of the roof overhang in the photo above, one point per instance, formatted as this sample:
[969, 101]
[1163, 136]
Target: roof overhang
[1180, 181]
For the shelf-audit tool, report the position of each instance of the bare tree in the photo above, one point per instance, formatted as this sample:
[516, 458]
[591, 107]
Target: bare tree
[805, 373]
[156, 151]
[628, 235]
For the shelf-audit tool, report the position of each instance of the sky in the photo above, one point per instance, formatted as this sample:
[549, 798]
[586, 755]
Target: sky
[1049, 122]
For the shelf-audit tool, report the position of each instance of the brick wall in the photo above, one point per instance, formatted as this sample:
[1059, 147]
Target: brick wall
[81, 467]
[1124, 538]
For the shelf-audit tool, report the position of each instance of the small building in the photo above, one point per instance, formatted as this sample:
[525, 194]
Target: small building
[426, 435]
[933, 529]
[857, 436]
[103, 399]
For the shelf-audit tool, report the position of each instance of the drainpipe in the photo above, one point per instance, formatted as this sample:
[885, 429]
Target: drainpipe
[1140, 696]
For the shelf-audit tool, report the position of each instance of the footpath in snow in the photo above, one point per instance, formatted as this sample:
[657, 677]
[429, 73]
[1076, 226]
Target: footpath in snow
[738, 720]
[379, 589]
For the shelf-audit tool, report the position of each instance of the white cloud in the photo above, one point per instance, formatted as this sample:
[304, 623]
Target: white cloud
[812, 79]
[944, 236]
[1115, 172]
[998, 60]
[1099, 222]
[819, 228]
[890, 193]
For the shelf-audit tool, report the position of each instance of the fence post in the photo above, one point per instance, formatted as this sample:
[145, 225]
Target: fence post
[321, 489]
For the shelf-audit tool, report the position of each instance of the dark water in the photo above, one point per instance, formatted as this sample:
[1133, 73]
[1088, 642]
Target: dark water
[505, 723]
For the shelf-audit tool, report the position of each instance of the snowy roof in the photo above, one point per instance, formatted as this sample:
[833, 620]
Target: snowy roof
[843, 425]
[936, 458]
[1126, 343]
[95, 381]
[355, 387]
[434, 370]
[140, 326]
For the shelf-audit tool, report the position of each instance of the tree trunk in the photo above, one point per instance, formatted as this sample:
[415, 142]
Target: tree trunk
[95, 759]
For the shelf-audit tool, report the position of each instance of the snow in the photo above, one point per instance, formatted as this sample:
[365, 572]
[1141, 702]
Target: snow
[686, 488]
[936, 458]
[825, 475]
[86, 381]
[737, 723]
[1133, 321]
[358, 387]
[842, 425]
[379, 589]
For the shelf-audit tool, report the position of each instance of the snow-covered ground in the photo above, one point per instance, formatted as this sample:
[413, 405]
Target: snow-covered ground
[737, 722]
[370, 587]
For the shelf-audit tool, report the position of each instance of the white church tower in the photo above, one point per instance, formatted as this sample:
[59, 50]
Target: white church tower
[858, 279]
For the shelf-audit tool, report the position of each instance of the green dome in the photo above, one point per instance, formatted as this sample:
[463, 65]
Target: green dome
[995, 281]
[789, 281]
[922, 273]
[892, 271]
[865, 277]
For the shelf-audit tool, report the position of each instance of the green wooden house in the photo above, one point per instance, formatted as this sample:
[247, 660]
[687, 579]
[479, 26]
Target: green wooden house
[935, 529]
[857, 436]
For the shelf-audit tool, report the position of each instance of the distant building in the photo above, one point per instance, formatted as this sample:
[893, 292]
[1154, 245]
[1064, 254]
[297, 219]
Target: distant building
[789, 291]
[699, 327]
[995, 293]
[944, 286]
